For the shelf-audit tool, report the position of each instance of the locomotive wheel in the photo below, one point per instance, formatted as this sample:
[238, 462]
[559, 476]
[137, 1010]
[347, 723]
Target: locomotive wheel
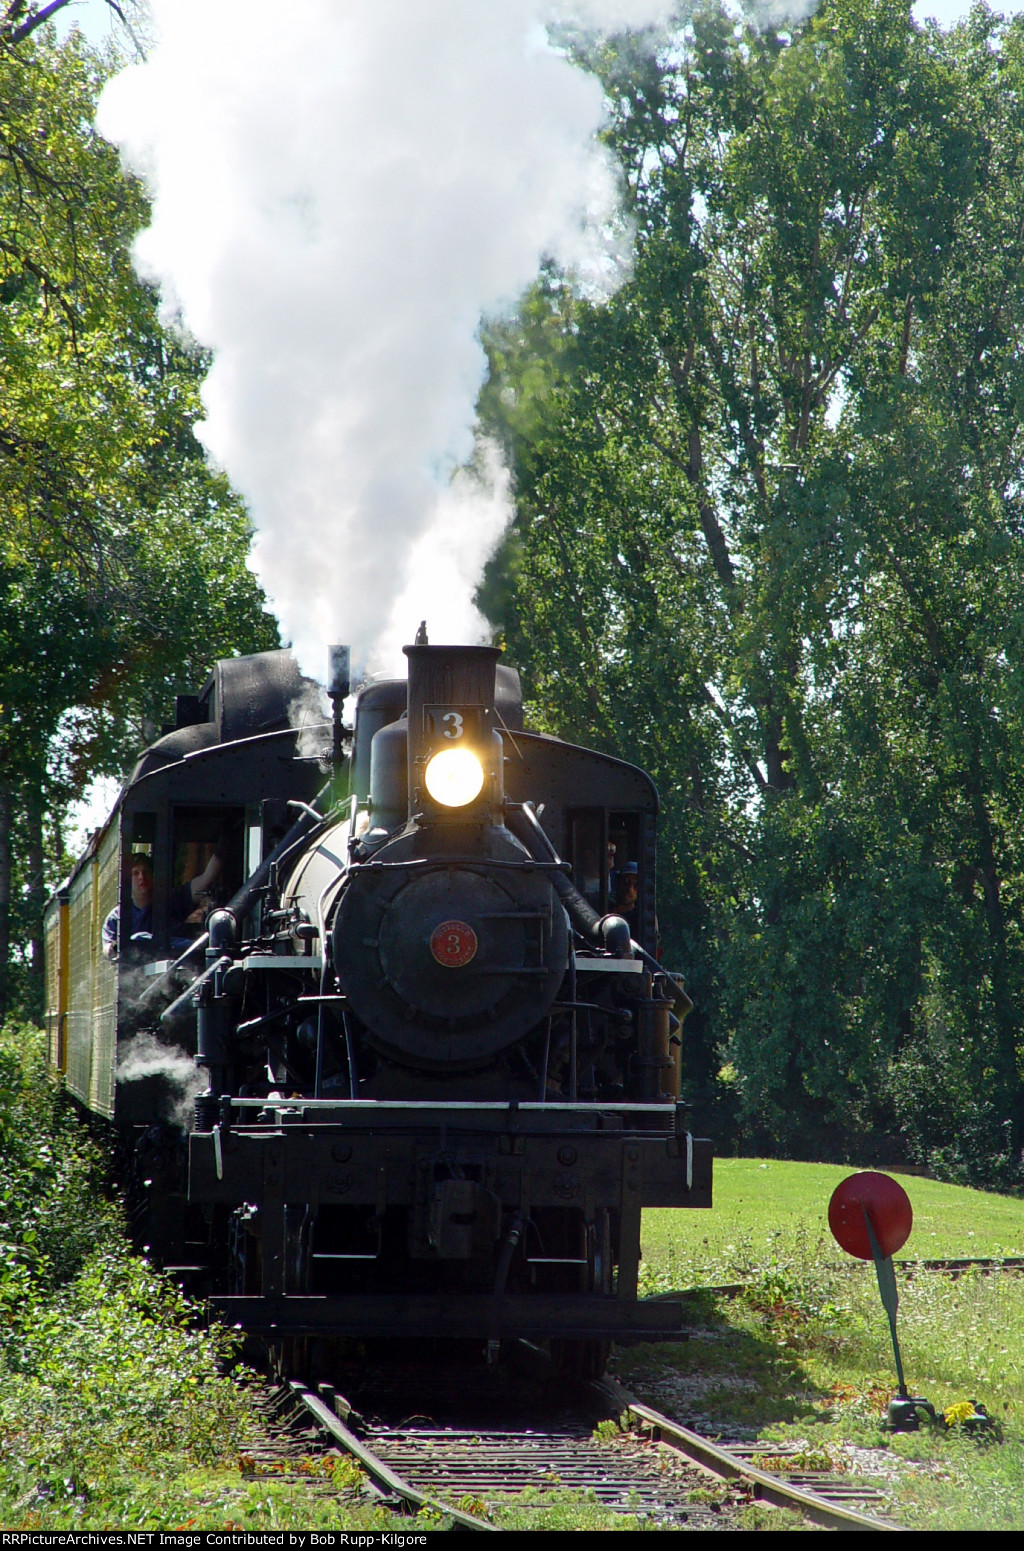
[580, 1361]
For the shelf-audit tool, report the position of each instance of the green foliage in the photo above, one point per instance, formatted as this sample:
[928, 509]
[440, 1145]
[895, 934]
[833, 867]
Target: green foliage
[559, 1510]
[711, 1495]
[97, 1353]
[53, 1213]
[118, 1363]
[770, 494]
[122, 556]
[804, 1358]
[118, 1407]
[116, 1411]
[762, 1516]
[959, 1138]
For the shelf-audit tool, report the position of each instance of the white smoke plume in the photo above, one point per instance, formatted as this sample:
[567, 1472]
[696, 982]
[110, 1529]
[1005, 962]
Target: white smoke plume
[340, 191]
[144, 1056]
[310, 713]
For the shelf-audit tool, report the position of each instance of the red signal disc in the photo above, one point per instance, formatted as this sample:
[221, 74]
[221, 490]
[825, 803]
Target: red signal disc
[886, 1203]
[453, 944]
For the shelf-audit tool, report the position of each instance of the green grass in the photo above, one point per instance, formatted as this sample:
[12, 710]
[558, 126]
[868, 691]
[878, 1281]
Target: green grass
[805, 1352]
[765, 1208]
[558, 1511]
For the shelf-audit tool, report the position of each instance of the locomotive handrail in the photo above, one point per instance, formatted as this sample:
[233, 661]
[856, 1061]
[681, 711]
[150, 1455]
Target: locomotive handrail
[181, 1003]
[485, 864]
[609, 931]
[293, 802]
[656, 968]
[490, 1105]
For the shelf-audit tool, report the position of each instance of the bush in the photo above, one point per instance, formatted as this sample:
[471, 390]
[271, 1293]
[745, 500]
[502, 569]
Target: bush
[115, 1365]
[54, 1212]
[104, 1367]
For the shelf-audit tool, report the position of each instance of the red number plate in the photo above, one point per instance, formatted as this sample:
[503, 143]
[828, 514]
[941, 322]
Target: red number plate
[453, 944]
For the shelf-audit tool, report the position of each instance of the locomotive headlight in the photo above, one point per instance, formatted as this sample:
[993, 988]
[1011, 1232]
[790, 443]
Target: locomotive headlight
[454, 777]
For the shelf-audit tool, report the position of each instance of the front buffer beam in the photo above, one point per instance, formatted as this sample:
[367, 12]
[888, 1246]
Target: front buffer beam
[271, 1157]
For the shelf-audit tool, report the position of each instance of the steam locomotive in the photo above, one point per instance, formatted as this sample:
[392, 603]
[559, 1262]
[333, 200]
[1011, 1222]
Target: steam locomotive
[416, 1075]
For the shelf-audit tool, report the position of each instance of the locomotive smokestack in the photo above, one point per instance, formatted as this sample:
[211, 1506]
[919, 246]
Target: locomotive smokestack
[451, 707]
[339, 679]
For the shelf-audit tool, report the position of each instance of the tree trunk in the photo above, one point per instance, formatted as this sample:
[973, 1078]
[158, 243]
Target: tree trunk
[36, 900]
[6, 806]
[1009, 1092]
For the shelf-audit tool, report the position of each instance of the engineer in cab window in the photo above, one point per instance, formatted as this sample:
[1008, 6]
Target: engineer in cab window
[627, 884]
[190, 901]
[184, 903]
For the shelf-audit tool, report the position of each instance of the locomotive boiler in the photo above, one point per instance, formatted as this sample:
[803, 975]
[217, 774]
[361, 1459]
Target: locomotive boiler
[440, 1060]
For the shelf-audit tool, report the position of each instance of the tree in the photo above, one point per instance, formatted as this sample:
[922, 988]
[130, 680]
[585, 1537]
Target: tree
[773, 497]
[122, 556]
[19, 19]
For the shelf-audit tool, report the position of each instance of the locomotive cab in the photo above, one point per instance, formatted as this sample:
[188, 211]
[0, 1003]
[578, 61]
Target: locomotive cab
[217, 783]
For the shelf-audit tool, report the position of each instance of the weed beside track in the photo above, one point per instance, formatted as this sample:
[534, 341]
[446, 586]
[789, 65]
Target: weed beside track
[802, 1358]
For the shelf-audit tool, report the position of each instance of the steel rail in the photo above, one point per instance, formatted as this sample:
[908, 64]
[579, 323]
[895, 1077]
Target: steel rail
[762, 1485]
[386, 1480]
[953, 1267]
[491, 1460]
[728, 1466]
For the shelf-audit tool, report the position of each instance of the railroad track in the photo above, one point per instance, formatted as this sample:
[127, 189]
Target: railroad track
[954, 1267]
[462, 1457]
[465, 1449]
[950, 1267]
[828, 1500]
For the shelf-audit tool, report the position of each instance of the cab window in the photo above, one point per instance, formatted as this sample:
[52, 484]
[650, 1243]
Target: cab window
[208, 859]
[604, 853]
[586, 846]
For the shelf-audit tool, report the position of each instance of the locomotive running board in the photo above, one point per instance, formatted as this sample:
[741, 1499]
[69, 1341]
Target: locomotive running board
[564, 1317]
